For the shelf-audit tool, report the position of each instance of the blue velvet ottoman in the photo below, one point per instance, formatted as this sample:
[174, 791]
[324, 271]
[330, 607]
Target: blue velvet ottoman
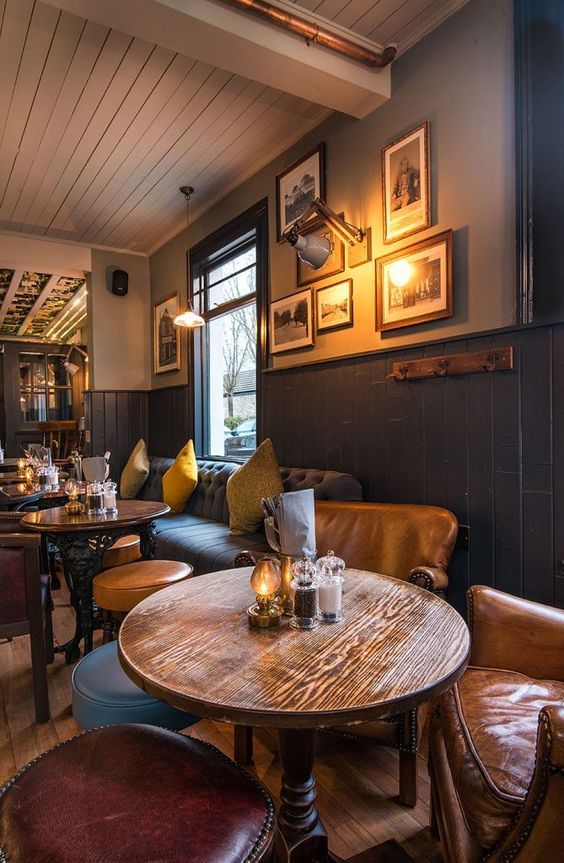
[103, 694]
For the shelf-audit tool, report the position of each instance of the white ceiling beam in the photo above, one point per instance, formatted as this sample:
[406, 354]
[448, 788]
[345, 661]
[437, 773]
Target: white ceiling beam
[46, 292]
[10, 294]
[244, 45]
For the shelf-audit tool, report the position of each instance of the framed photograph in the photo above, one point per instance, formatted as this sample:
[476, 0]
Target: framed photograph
[291, 323]
[334, 264]
[166, 344]
[415, 284]
[298, 186]
[406, 195]
[334, 306]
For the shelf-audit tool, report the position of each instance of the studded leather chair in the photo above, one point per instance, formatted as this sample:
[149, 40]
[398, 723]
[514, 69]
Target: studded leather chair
[497, 737]
[132, 793]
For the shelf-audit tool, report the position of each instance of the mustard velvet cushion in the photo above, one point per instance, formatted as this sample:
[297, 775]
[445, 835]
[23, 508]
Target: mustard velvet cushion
[181, 479]
[259, 477]
[135, 473]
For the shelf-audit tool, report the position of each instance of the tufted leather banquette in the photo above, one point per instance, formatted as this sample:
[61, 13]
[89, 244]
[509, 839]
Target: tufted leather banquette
[200, 535]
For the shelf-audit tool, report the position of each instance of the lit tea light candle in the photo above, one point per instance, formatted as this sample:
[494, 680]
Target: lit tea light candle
[21, 467]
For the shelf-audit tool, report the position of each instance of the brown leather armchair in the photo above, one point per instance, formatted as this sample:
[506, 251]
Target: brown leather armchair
[497, 737]
[408, 541]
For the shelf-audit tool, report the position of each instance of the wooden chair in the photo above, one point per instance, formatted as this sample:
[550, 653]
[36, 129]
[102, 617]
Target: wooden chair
[25, 607]
[62, 436]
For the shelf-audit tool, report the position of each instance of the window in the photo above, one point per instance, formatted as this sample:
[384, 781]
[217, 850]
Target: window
[225, 275]
[45, 388]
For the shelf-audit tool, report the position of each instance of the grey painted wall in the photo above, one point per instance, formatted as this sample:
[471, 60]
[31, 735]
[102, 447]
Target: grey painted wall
[460, 79]
[119, 328]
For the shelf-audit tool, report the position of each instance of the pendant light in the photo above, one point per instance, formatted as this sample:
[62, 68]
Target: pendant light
[189, 318]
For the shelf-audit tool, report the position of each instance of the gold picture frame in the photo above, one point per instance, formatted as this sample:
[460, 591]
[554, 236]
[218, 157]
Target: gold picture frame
[291, 322]
[414, 285]
[406, 191]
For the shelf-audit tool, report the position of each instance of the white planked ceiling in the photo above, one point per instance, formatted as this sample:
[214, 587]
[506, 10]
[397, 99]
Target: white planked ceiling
[403, 22]
[98, 128]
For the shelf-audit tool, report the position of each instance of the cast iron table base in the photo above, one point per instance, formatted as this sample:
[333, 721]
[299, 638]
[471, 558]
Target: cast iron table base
[82, 555]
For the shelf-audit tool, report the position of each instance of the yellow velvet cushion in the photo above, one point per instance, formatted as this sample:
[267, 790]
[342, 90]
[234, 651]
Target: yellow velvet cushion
[135, 473]
[181, 479]
[259, 477]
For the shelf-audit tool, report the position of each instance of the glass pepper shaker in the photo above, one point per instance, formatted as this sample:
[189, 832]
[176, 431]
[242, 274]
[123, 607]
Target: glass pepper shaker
[304, 585]
[330, 587]
[95, 498]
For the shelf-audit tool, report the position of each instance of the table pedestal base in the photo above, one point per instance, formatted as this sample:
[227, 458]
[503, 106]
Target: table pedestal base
[301, 835]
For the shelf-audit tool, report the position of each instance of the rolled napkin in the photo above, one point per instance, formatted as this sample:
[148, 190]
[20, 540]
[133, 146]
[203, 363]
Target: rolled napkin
[296, 523]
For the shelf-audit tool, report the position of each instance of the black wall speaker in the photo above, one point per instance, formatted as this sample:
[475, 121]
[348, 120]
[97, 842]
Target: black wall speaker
[119, 282]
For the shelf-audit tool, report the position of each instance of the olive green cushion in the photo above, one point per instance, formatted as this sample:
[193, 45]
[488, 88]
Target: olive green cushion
[135, 473]
[259, 477]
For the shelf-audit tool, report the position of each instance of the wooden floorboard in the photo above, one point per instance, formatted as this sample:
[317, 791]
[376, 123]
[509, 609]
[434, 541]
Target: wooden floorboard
[356, 782]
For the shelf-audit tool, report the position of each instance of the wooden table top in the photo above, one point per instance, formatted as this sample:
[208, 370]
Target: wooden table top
[191, 646]
[130, 513]
[19, 491]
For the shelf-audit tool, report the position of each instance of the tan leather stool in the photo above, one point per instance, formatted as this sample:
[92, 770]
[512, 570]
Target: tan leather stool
[127, 549]
[118, 590]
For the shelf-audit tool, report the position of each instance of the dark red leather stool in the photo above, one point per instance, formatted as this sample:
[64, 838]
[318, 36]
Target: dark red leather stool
[133, 794]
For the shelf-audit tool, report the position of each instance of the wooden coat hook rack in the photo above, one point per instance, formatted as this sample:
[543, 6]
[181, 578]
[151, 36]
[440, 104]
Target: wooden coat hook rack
[495, 360]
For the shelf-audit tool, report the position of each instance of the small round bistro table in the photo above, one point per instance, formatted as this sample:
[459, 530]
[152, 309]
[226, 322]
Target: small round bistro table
[82, 540]
[14, 496]
[398, 646]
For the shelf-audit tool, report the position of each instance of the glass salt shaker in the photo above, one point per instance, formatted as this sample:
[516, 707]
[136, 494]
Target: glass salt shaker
[330, 587]
[304, 585]
[110, 504]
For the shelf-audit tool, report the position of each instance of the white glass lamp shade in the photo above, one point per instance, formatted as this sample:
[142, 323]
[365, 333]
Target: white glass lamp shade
[313, 250]
[70, 367]
[189, 318]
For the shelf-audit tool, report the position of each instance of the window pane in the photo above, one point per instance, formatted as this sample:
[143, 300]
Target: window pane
[33, 406]
[231, 362]
[57, 375]
[60, 404]
[232, 279]
[32, 370]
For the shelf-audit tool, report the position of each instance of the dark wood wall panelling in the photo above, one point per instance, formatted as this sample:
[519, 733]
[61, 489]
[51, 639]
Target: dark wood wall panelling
[490, 447]
[170, 425]
[116, 420]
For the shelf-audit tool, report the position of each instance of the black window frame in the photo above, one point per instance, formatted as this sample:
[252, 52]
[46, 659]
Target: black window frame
[233, 236]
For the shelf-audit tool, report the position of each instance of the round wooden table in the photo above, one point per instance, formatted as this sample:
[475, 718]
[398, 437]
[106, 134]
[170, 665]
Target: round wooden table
[398, 646]
[82, 540]
[17, 495]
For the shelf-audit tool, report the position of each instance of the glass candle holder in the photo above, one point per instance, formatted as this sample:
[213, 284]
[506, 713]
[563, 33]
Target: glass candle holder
[265, 581]
[305, 589]
[21, 468]
[330, 587]
[73, 505]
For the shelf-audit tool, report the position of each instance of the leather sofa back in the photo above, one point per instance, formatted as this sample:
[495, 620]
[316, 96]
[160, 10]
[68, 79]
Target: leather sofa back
[385, 537]
[210, 501]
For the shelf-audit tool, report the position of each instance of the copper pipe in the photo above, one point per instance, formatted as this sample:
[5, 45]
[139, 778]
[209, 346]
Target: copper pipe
[315, 33]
